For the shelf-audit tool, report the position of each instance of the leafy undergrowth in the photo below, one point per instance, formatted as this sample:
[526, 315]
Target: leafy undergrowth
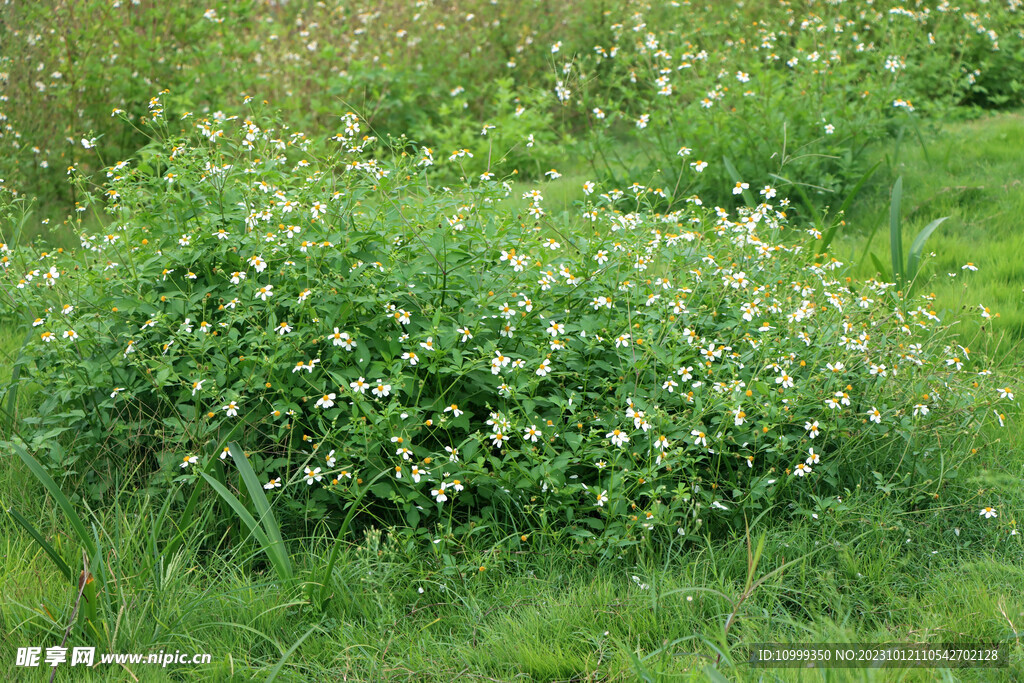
[349, 405]
[867, 567]
[794, 91]
[629, 374]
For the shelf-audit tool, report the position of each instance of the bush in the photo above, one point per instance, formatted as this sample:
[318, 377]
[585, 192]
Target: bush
[619, 371]
[797, 92]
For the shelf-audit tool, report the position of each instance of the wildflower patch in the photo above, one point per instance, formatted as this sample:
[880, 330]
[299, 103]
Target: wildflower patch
[350, 323]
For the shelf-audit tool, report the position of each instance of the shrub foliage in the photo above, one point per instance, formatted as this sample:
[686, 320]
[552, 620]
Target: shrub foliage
[614, 369]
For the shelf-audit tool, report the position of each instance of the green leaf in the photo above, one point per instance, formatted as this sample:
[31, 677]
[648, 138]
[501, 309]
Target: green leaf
[895, 231]
[259, 501]
[812, 211]
[914, 258]
[714, 675]
[878, 265]
[285, 655]
[748, 198]
[830, 235]
[47, 548]
[12, 393]
[51, 486]
[341, 533]
[273, 551]
[574, 441]
[857, 188]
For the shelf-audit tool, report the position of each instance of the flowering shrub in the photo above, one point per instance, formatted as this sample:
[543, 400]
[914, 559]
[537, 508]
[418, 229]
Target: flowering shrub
[795, 91]
[351, 325]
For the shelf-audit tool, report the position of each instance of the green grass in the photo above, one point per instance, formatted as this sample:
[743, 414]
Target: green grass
[542, 610]
[873, 573]
[972, 173]
[546, 609]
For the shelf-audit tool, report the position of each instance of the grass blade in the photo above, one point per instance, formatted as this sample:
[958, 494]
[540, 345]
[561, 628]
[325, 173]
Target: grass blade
[12, 391]
[341, 535]
[185, 522]
[830, 235]
[914, 257]
[58, 495]
[812, 211]
[38, 538]
[714, 675]
[259, 501]
[734, 174]
[878, 264]
[284, 657]
[274, 551]
[895, 234]
[857, 188]
[185, 519]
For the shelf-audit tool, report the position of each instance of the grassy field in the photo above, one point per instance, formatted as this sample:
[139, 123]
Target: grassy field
[328, 164]
[869, 573]
[872, 570]
[969, 172]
